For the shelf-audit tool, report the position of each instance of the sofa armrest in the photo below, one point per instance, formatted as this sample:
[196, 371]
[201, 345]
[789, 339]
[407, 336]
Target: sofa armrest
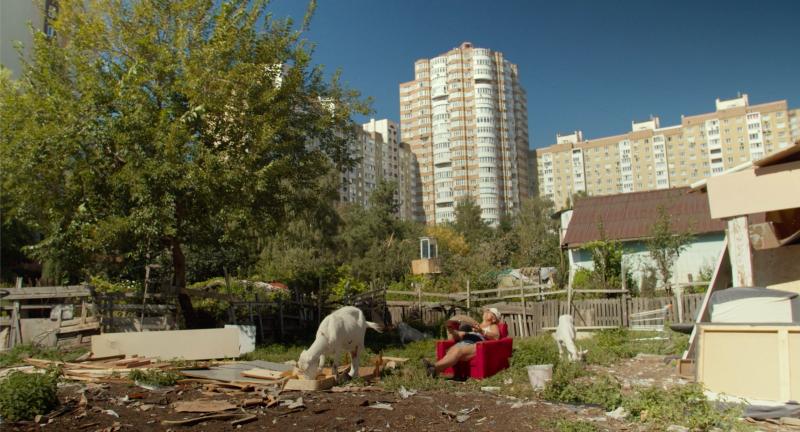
[442, 346]
[499, 346]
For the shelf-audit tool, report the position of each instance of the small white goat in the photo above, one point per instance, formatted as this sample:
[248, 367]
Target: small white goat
[340, 332]
[565, 338]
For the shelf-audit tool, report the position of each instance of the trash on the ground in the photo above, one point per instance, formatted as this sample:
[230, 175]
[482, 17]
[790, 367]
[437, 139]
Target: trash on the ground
[296, 404]
[618, 414]
[381, 405]
[354, 389]
[203, 406]
[490, 389]
[405, 394]
[111, 413]
[460, 416]
[508, 381]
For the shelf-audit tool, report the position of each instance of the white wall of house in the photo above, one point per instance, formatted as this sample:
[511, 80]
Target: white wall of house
[702, 252]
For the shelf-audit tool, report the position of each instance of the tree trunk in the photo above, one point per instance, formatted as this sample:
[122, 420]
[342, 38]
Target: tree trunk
[179, 282]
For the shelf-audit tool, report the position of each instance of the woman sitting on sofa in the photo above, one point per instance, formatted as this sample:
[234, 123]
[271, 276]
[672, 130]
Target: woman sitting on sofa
[467, 336]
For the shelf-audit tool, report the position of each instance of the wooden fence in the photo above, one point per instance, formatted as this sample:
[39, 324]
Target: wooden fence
[538, 316]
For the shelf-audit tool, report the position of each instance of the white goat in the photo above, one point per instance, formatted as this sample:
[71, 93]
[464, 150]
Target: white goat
[565, 338]
[340, 332]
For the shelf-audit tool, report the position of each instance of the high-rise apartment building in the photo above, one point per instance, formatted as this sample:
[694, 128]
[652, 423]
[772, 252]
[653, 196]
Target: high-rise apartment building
[15, 16]
[465, 118]
[379, 155]
[654, 157]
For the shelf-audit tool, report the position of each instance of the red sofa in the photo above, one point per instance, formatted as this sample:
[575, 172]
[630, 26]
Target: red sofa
[490, 356]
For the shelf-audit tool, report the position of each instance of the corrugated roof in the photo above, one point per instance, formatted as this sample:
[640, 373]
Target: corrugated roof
[629, 216]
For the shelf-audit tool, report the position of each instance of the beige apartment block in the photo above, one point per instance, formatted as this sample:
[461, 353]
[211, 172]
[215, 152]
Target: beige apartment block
[465, 118]
[654, 157]
[379, 156]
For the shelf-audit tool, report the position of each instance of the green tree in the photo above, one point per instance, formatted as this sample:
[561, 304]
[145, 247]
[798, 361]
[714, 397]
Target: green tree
[152, 126]
[468, 221]
[373, 242]
[536, 235]
[665, 246]
[607, 260]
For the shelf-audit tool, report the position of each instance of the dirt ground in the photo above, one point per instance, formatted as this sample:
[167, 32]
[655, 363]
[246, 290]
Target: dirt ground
[127, 407]
[144, 410]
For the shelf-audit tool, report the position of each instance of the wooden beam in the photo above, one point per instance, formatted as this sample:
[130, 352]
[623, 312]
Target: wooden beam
[740, 251]
[32, 293]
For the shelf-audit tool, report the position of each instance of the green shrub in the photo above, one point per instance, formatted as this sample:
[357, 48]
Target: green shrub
[681, 405]
[571, 383]
[24, 396]
[19, 353]
[154, 377]
[537, 350]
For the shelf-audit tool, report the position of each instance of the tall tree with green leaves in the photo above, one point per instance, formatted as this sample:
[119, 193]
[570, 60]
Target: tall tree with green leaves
[607, 260]
[665, 246]
[469, 222]
[536, 235]
[148, 126]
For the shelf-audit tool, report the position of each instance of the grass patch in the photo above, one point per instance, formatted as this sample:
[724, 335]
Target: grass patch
[24, 396]
[572, 383]
[609, 346]
[277, 353]
[682, 405]
[565, 425]
[17, 355]
[155, 377]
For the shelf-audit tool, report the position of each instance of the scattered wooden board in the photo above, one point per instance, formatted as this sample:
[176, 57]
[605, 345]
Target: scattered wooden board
[310, 385]
[263, 374]
[203, 406]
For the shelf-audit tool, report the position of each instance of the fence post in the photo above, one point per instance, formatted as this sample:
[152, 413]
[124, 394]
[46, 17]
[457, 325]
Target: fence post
[419, 301]
[679, 301]
[469, 300]
[525, 331]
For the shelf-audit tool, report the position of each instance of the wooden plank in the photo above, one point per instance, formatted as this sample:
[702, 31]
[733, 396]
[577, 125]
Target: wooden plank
[719, 280]
[754, 191]
[740, 251]
[310, 385]
[31, 293]
[172, 344]
[265, 374]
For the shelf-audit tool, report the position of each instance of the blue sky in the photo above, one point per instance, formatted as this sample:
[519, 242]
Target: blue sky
[589, 65]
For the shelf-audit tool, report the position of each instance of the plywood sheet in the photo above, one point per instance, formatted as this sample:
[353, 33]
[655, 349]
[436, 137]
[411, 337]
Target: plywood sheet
[754, 191]
[750, 361]
[165, 345]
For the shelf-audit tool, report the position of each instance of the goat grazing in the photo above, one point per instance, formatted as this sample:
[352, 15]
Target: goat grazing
[565, 338]
[340, 332]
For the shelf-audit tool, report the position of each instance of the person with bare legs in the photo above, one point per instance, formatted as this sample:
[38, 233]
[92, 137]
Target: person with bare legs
[466, 337]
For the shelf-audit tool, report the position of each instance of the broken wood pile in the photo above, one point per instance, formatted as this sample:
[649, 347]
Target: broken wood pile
[100, 369]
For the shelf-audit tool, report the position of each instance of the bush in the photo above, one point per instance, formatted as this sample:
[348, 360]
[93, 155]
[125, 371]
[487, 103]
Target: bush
[538, 350]
[24, 396]
[571, 383]
[19, 353]
[681, 405]
[609, 346]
